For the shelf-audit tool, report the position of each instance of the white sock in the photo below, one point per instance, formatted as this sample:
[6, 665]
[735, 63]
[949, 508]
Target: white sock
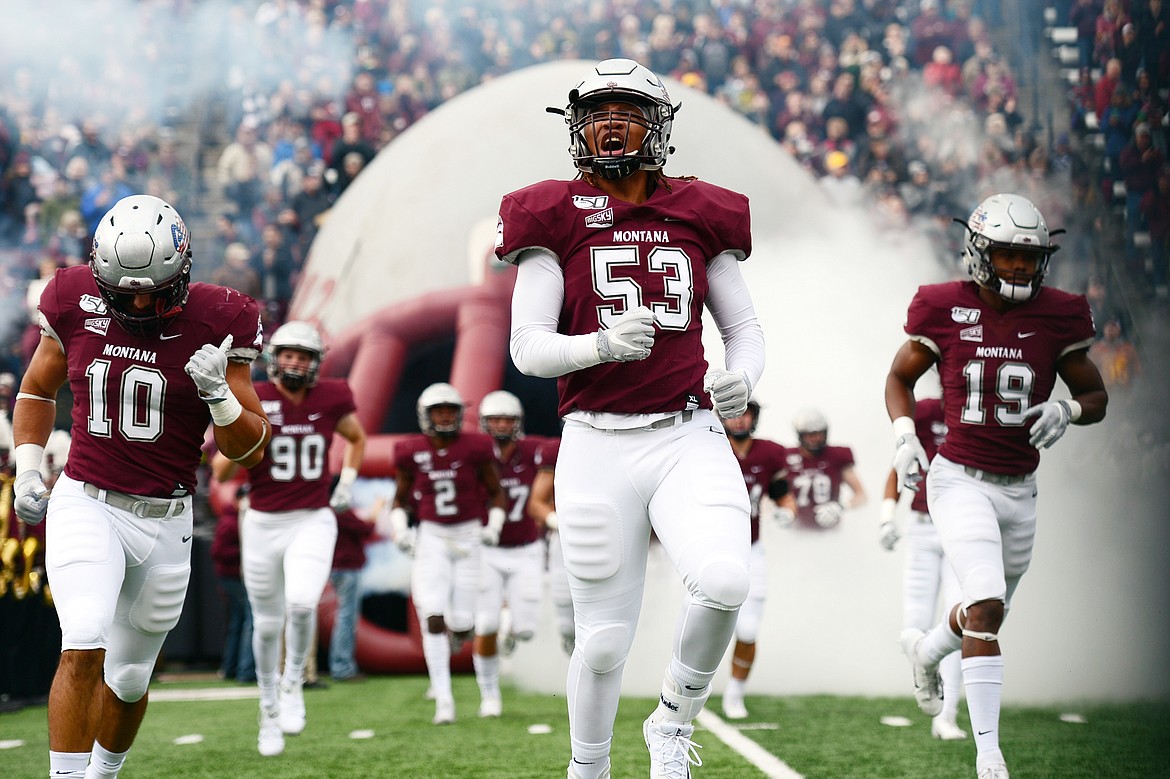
[104, 764]
[735, 688]
[940, 641]
[437, 652]
[680, 701]
[983, 681]
[68, 765]
[298, 637]
[952, 678]
[589, 768]
[487, 674]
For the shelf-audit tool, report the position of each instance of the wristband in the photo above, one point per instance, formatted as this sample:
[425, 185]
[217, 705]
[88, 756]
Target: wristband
[496, 518]
[348, 475]
[903, 426]
[550, 520]
[28, 457]
[889, 505]
[1074, 409]
[399, 520]
[225, 411]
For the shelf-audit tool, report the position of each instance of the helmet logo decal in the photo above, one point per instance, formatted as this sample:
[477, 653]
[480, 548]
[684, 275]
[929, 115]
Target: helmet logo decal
[179, 235]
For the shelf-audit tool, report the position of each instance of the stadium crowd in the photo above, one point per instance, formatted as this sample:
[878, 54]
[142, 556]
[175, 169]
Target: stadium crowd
[906, 108]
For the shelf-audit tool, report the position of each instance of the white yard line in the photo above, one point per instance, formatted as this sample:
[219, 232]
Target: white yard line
[771, 766]
[205, 694]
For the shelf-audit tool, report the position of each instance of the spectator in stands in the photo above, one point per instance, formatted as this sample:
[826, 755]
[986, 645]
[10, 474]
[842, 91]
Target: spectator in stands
[842, 187]
[238, 661]
[1106, 85]
[1083, 15]
[277, 267]
[1141, 163]
[1152, 19]
[1155, 207]
[244, 167]
[351, 141]
[100, 196]
[310, 206]
[237, 271]
[349, 557]
[1115, 356]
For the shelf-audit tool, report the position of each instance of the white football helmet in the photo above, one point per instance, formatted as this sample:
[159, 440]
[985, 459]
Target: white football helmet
[439, 394]
[303, 337]
[753, 408]
[627, 81]
[141, 246]
[810, 422]
[1007, 221]
[502, 404]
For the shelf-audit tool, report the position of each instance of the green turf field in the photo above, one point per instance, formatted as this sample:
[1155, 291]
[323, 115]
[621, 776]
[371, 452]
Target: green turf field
[816, 736]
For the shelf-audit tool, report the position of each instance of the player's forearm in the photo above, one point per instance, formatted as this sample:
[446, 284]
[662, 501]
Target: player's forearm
[243, 441]
[537, 348]
[1093, 405]
[32, 420]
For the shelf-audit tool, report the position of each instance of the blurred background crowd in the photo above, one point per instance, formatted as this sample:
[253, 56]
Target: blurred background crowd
[254, 117]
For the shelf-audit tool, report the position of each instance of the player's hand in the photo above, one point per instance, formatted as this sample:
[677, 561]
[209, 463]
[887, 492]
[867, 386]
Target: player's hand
[783, 516]
[888, 535]
[342, 494]
[406, 540]
[208, 369]
[550, 520]
[31, 497]
[730, 392]
[828, 514]
[1052, 420]
[489, 535]
[910, 462]
[630, 338]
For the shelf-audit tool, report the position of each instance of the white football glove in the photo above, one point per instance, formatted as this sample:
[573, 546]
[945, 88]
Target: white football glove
[910, 461]
[888, 535]
[784, 517]
[208, 369]
[730, 392]
[405, 537]
[490, 533]
[828, 514]
[342, 494]
[31, 497]
[631, 337]
[1053, 420]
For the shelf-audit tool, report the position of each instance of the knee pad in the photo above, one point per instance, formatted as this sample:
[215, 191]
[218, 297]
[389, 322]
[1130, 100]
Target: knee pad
[301, 615]
[981, 635]
[267, 627]
[722, 584]
[160, 602]
[128, 681]
[606, 647]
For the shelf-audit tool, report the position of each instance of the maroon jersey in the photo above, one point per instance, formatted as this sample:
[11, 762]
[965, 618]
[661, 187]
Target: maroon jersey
[546, 454]
[931, 428]
[138, 423]
[816, 479]
[294, 473]
[516, 476]
[446, 486]
[616, 256]
[764, 462]
[994, 365]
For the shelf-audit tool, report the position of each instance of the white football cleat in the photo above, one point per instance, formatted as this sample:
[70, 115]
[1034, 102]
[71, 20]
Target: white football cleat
[491, 706]
[271, 740]
[444, 711]
[291, 697]
[672, 753]
[733, 706]
[998, 771]
[944, 728]
[928, 691]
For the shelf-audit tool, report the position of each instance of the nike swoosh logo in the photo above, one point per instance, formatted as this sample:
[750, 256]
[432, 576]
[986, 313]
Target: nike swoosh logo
[186, 539]
[702, 687]
[1026, 335]
[985, 732]
[314, 417]
[164, 337]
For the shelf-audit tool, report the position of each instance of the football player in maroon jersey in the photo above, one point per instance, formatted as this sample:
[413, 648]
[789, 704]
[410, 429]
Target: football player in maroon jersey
[816, 472]
[288, 531]
[614, 270]
[1000, 341]
[450, 479]
[927, 577]
[510, 571]
[765, 472]
[150, 359]
[543, 508]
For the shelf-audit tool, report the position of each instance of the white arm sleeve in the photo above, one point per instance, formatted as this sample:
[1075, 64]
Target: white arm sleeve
[731, 307]
[537, 348]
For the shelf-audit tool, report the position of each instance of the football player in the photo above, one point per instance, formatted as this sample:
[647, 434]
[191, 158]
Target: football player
[816, 472]
[150, 358]
[542, 506]
[511, 569]
[765, 472]
[927, 576]
[1000, 341]
[449, 478]
[615, 268]
[288, 531]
